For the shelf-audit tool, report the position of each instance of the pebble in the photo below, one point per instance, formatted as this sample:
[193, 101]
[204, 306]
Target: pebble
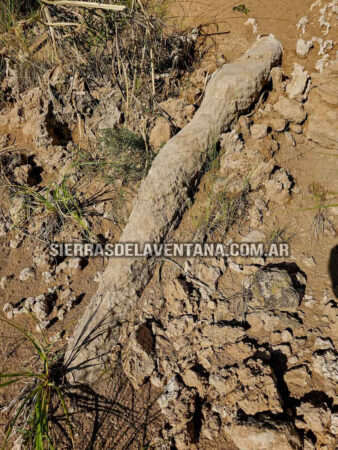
[27, 273]
[258, 131]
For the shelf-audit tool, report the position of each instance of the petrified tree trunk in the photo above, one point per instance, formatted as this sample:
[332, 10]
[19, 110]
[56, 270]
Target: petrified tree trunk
[161, 200]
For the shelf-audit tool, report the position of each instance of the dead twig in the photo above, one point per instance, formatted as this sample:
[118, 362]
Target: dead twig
[83, 4]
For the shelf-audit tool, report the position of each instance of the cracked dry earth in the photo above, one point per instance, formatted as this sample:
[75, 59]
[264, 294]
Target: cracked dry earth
[245, 350]
[232, 353]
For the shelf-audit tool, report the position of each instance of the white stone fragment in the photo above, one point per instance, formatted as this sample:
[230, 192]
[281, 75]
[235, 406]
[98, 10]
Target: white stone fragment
[253, 22]
[302, 24]
[322, 63]
[303, 47]
[3, 282]
[299, 86]
[27, 273]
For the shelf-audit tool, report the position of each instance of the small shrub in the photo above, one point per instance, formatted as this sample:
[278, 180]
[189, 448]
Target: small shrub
[122, 157]
[241, 8]
[57, 203]
[40, 396]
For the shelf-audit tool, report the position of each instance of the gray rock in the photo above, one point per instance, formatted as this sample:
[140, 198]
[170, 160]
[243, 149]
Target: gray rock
[272, 289]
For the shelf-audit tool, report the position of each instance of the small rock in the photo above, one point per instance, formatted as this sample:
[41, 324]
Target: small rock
[277, 74]
[325, 364]
[27, 273]
[16, 209]
[293, 359]
[251, 437]
[243, 123]
[98, 277]
[334, 424]
[3, 228]
[231, 142]
[43, 325]
[3, 282]
[16, 242]
[286, 336]
[253, 22]
[315, 419]
[290, 139]
[160, 134]
[47, 276]
[29, 302]
[323, 344]
[258, 131]
[300, 84]
[71, 303]
[8, 309]
[303, 47]
[277, 124]
[22, 174]
[291, 110]
[76, 263]
[309, 261]
[66, 293]
[302, 24]
[62, 314]
[278, 187]
[309, 301]
[260, 175]
[43, 305]
[285, 349]
[298, 381]
[56, 338]
[41, 257]
[272, 289]
[112, 118]
[322, 109]
[296, 128]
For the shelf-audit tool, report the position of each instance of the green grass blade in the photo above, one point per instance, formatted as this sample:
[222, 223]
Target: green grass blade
[17, 415]
[29, 336]
[65, 410]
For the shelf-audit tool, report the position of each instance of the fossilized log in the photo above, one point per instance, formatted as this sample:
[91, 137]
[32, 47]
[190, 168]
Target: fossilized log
[161, 199]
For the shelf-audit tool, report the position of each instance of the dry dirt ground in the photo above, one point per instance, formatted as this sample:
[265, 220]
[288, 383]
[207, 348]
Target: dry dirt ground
[202, 366]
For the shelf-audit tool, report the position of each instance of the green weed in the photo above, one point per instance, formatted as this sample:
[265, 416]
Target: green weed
[241, 8]
[42, 394]
[57, 204]
[122, 157]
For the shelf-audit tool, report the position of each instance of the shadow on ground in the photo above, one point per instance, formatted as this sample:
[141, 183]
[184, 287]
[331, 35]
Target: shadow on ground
[333, 269]
[111, 414]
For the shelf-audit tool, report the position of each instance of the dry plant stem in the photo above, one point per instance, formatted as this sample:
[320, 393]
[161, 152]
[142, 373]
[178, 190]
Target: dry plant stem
[83, 4]
[51, 30]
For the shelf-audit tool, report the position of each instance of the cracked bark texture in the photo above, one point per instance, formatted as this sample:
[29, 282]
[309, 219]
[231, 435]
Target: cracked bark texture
[162, 197]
